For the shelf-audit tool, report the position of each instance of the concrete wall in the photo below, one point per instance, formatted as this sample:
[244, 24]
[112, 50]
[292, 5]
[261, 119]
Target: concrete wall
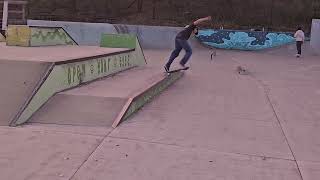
[82, 33]
[49, 37]
[161, 37]
[151, 37]
[21, 35]
[315, 36]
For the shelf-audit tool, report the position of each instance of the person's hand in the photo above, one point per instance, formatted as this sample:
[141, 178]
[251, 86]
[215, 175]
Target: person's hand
[202, 20]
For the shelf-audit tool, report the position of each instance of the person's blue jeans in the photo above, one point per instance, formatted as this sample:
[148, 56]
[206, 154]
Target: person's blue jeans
[179, 45]
[299, 46]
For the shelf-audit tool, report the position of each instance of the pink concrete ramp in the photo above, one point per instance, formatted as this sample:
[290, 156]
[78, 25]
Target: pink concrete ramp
[31, 75]
[18, 81]
[106, 102]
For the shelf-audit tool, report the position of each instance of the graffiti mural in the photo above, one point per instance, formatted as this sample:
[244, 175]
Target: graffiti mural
[50, 36]
[244, 40]
[18, 36]
[37, 36]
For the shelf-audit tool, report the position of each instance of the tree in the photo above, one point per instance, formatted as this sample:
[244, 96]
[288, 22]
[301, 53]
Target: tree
[271, 13]
[316, 8]
[140, 5]
[154, 5]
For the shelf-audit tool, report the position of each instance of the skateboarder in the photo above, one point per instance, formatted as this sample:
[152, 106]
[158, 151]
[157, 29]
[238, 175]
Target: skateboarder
[299, 35]
[181, 42]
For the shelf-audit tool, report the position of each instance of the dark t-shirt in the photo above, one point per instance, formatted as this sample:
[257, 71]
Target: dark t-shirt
[186, 33]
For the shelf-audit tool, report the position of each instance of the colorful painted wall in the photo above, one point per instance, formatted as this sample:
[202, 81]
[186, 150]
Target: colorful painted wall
[18, 36]
[150, 37]
[118, 41]
[244, 40]
[158, 37]
[45, 36]
[37, 36]
[124, 41]
[88, 34]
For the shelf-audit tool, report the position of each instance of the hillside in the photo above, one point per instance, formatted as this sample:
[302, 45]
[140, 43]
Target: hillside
[272, 14]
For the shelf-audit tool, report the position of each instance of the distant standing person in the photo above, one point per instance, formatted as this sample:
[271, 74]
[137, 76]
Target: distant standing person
[299, 35]
[181, 42]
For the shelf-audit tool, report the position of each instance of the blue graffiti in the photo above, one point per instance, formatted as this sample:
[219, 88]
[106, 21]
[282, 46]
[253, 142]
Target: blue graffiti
[244, 40]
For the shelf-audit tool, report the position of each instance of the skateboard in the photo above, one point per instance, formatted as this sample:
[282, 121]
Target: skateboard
[177, 70]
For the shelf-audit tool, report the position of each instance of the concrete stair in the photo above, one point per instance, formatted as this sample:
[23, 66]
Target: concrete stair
[106, 102]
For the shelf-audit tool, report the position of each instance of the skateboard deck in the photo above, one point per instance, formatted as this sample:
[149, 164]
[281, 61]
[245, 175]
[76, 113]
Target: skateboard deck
[177, 70]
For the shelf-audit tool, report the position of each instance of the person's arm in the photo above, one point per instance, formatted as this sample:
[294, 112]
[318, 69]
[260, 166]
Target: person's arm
[201, 20]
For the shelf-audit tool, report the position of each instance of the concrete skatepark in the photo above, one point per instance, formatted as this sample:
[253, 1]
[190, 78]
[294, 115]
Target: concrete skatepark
[210, 124]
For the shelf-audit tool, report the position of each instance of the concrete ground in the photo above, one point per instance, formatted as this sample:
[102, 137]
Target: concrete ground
[213, 124]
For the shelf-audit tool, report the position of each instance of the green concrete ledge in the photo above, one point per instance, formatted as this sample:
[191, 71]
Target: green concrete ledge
[145, 95]
[65, 75]
[72, 73]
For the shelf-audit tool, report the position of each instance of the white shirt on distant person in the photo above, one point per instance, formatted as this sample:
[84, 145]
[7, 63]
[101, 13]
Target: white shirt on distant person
[299, 35]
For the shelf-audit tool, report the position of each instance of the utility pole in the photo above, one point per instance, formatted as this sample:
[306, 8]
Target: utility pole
[140, 5]
[5, 15]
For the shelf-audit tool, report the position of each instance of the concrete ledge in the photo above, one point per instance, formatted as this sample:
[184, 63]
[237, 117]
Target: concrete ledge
[145, 95]
[79, 110]
[69, 75]
[104, 103]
